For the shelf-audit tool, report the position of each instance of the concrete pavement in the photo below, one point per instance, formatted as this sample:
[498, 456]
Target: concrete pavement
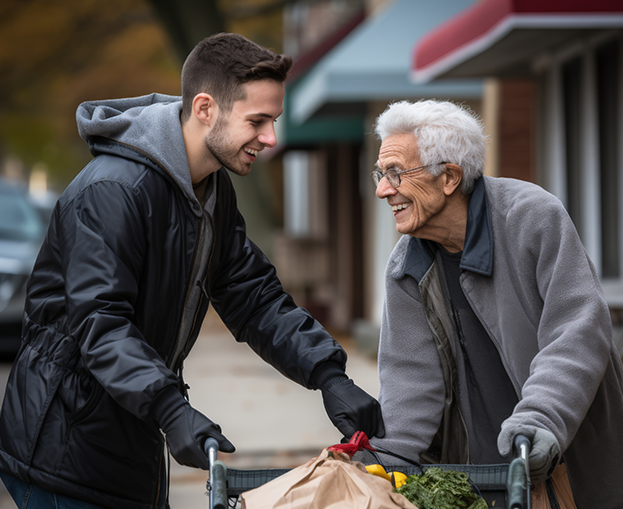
[272, 421]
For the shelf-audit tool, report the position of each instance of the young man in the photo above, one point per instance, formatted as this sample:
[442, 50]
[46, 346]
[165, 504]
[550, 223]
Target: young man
[140, 244]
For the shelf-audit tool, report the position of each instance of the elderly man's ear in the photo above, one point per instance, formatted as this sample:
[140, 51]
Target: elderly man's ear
[454, 176]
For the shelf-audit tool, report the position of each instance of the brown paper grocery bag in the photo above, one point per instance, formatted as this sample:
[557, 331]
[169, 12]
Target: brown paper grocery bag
[564, 496]
[330, 481]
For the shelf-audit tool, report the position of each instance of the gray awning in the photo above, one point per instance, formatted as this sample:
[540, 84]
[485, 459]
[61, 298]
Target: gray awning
[373, 62]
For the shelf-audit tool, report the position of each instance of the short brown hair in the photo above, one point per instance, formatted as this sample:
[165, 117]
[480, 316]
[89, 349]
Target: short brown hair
[220, 64]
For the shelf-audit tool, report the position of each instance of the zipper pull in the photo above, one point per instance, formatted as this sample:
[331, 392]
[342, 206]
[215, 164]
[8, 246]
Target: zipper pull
[182, 383]
[200, 284]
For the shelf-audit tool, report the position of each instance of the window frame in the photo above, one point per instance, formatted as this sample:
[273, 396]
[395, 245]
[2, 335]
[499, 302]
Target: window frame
[552, 153]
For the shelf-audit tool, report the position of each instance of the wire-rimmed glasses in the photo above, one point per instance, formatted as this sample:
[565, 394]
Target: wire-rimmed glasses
[393, 175]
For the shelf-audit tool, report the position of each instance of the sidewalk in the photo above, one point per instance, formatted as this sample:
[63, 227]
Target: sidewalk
[273, 422]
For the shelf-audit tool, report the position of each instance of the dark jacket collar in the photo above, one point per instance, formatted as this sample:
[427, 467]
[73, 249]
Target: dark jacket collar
[478, 250]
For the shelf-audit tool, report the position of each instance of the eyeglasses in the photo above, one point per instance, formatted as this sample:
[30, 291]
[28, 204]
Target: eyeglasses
[393, 175]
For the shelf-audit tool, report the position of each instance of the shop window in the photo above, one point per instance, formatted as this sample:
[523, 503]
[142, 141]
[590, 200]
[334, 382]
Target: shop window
[305, 195]
[607, 79]
[572, 104]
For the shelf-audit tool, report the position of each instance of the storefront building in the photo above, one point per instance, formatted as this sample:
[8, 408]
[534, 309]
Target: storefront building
[554, 71]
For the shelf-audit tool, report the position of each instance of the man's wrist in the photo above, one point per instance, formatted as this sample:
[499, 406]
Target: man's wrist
[328, 374]
[165, 403]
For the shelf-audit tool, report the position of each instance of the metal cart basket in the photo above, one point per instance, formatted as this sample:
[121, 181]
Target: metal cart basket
[501, 486]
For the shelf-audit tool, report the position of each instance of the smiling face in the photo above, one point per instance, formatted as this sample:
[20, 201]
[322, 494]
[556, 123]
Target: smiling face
[238, 136]
[420, 196]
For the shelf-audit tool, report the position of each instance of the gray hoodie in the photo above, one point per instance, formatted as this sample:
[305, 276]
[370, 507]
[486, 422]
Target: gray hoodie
[150, 124]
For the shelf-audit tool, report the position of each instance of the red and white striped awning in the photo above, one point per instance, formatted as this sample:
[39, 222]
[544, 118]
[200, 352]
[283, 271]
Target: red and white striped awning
[503, 37]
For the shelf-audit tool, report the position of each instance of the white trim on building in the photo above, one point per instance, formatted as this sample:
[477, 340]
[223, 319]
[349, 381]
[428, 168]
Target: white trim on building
[578, 183]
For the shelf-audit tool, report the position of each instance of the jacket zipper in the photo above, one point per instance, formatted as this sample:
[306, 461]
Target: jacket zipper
[183, 339]
[177, 362]
[155, 506]
[201, 281]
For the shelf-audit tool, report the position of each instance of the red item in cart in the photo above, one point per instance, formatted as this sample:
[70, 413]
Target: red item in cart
[358, 442]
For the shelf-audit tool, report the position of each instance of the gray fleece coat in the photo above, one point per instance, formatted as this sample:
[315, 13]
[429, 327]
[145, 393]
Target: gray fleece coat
[531, 284]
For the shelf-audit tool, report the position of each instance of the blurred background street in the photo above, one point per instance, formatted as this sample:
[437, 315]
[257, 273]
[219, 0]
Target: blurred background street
[6, 502]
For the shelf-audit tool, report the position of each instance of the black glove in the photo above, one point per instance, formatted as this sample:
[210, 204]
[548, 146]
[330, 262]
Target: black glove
[544, 450]
[350, 408]
[186, 429]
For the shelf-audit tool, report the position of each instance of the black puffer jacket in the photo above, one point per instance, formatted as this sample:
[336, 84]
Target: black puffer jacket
[115, 303]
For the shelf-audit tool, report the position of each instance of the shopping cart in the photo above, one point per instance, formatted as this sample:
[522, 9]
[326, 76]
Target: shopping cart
[217, 481]
[501, 486]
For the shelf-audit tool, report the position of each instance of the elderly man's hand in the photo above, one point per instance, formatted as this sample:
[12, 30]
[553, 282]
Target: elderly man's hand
[545, 451]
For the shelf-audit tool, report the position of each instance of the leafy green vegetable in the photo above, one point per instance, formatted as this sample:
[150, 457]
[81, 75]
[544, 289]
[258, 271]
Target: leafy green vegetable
[441, 489]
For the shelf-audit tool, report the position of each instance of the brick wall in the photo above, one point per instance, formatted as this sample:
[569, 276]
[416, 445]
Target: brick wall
[516, 129]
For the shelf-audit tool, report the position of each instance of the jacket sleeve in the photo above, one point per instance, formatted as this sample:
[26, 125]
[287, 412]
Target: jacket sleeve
[102, 243]
[247, 294]
[573, 328]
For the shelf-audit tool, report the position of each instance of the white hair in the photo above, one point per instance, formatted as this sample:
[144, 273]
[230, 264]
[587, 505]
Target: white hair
[445, 132]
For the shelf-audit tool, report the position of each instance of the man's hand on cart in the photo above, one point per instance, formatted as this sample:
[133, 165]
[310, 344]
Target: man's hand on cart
[186, 429]
[545, 451]
[350, 408]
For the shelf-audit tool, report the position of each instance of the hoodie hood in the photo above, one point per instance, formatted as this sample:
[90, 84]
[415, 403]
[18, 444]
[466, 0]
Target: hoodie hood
[150, 125]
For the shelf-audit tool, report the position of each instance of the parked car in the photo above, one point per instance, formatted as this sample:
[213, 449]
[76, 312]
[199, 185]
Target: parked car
[21, 234]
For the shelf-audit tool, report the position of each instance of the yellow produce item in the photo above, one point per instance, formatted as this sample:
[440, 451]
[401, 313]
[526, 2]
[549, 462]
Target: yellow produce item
[397, 479]
[378, 470]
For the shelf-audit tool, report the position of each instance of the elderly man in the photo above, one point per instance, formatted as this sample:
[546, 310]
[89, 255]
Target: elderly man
[494, 322]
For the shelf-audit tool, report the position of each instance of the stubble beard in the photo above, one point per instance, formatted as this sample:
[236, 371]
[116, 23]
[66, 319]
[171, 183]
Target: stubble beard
[224, 154]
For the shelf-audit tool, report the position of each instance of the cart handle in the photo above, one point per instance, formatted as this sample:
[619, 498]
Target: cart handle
[518, 483]
[217, 484]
